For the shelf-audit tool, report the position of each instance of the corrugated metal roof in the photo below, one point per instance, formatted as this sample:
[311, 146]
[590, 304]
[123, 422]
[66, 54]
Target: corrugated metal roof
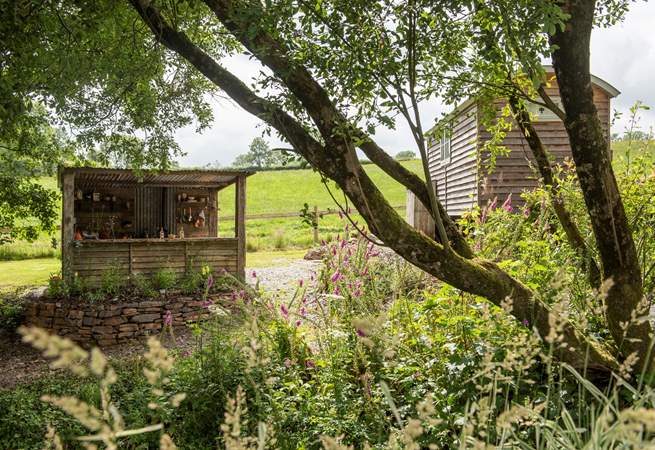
[179, 177]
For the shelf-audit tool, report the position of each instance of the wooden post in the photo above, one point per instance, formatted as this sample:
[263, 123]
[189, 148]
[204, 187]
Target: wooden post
[67, 223]
[240, 225]
[315, 224]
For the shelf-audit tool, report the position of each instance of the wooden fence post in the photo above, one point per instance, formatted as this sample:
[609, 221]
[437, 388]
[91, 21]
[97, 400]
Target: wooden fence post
[68, 224]
[240, 226]
[315, 224]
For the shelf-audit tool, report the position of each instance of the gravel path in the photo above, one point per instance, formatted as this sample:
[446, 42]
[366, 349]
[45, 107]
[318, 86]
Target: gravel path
[285, 278]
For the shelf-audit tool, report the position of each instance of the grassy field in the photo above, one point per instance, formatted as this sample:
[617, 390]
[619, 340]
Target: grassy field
[287, 191]
[267, 192]
[30, 272]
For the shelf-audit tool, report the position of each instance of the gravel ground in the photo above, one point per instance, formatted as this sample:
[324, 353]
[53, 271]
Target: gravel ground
[20, 363]
[282, 279]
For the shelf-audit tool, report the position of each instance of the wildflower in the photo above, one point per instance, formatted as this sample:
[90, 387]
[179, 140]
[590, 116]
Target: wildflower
[310, 364]
[336, 276]
[343, 243]
[526, 212]
[302, 311]
[300, 282]
[254, 274]
[298, 322]
[493, 204]
[207, 303]
[340, 215]
[210, 281]
[168, 319]
[284, 311]
[360, 332]
[526, 323]
[337, 291]
[507, 205]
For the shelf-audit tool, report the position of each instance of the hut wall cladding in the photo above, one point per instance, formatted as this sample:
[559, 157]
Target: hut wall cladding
[93, 259]
[456, 177]
[148, 204]
[517, 171]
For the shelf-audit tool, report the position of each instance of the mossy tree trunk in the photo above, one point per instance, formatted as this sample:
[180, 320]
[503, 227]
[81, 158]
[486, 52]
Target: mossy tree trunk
[590, 147]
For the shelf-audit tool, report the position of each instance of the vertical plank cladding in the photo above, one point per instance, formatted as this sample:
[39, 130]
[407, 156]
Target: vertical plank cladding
[517, 172]
[148, 204]
[456, 176]
[94, 259]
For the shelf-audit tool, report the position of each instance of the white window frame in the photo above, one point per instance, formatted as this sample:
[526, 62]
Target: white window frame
[445, 146]
[540, 113]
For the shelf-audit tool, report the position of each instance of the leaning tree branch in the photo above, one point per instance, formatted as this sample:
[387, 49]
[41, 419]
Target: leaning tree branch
[476, 276]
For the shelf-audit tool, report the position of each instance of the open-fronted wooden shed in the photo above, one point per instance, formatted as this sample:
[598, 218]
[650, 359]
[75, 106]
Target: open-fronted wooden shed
[143, 222]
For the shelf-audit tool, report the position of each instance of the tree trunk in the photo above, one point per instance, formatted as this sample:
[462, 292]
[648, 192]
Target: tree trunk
[590, 147]
[540, 153]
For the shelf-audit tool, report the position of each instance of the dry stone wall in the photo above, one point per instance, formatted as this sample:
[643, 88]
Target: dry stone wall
[112, 323]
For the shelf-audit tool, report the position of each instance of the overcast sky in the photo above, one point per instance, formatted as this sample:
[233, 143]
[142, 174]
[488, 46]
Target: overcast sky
[623, 55]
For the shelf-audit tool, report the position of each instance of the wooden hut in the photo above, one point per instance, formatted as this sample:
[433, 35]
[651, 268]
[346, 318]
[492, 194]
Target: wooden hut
[121, 220]
[459, 166]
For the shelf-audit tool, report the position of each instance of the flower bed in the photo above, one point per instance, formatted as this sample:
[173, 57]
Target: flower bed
[111, 323]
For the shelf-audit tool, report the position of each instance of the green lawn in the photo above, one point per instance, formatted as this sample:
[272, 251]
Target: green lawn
[288, 190]
[30, 272]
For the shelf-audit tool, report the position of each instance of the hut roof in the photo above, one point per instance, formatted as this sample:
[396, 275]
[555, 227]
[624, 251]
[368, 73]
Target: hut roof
[94, 176]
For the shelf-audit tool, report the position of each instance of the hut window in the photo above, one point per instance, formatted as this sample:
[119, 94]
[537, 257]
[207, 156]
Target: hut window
[542, 114]
[445, 145]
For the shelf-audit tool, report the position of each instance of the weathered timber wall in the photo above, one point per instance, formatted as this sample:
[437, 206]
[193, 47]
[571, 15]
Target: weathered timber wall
[517, 172]
[456, 176]
[91, 259]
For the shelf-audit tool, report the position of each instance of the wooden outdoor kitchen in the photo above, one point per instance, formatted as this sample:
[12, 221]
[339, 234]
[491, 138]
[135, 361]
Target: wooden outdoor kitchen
[143, 222]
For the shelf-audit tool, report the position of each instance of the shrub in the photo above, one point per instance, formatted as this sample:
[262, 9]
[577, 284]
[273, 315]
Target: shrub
[112, 281]
[11, 310]
[279, 239]
[60, 288]
[164, 279]
[142, 285]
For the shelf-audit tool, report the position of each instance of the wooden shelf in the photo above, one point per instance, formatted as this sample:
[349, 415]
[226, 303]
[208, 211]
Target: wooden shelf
[188, 203]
